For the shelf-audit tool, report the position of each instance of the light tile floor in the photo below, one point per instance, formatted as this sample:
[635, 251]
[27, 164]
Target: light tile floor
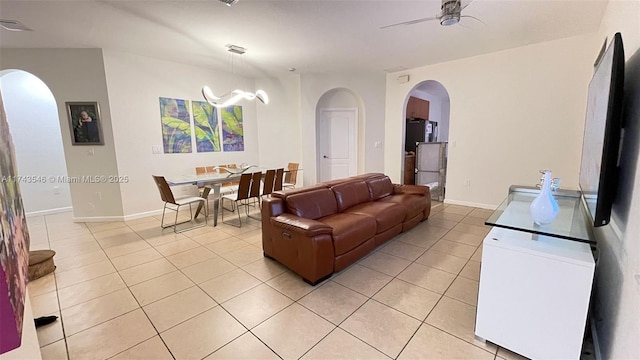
[130, 290]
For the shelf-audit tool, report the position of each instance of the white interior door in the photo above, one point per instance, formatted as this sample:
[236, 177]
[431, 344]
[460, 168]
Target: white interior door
[338, 143]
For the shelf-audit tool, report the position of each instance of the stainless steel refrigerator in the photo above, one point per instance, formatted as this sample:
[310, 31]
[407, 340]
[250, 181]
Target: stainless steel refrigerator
[418, 131]
[431, 167]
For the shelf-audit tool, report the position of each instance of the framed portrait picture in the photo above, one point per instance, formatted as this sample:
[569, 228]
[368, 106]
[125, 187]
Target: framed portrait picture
[85, 123]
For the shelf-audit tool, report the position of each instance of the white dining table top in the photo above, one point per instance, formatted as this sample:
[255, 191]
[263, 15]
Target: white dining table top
[213, 177]
[208, 178]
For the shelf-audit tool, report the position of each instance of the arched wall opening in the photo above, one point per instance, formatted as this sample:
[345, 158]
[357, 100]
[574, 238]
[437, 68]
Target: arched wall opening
[333, 107]
[428, 124]
[32, 115]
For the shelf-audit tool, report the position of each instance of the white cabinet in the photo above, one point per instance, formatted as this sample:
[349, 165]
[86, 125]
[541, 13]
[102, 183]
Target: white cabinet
[534, 293]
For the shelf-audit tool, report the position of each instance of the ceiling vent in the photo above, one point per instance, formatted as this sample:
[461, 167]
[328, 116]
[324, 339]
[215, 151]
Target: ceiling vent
[236, 49]
[228, 2]
[13, 25]
[395, 69]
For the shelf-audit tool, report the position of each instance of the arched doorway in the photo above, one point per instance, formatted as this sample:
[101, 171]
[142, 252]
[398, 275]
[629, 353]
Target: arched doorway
[32, 114]
[426, 136]
[339, 135]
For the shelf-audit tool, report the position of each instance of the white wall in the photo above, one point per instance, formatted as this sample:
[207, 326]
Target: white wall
[370, 88]
[279, 122]
[616, 298]
[32, 115]
[77, 75]
[529, 100]
[135, 85]
[443, 127]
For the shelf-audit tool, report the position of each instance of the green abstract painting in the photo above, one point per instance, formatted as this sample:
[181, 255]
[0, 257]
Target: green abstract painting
[206, 127]
[232, 132]
[176, 125]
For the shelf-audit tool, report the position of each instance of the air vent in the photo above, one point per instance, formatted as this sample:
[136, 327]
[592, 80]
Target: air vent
[395, 69]
[236, 49]
[13, 25]
[228, 2]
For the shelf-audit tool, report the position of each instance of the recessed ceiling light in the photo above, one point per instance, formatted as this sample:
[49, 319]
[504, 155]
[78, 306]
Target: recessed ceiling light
[13, 25]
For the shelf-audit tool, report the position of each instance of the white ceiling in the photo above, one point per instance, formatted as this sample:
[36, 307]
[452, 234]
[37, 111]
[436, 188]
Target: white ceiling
[312, 36]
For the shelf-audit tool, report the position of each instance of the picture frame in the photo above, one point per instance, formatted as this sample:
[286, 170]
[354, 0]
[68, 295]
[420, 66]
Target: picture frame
[85, 123]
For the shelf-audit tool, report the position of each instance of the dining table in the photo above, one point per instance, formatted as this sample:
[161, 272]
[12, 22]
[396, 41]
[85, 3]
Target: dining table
[214, 180]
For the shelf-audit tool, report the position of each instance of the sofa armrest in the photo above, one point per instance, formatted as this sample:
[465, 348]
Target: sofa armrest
[302, 226]
[303, 245]
[411, 189]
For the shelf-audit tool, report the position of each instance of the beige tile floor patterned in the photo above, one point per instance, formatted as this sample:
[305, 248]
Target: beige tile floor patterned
[130, 290]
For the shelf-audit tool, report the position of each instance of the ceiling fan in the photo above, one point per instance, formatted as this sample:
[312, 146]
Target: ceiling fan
[450, 14]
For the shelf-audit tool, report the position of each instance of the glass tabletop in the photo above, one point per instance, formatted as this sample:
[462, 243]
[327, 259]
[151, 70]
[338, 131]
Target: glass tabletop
[572, 222]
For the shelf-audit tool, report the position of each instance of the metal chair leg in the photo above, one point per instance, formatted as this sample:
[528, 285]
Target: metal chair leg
[164, 209]
[175, 223]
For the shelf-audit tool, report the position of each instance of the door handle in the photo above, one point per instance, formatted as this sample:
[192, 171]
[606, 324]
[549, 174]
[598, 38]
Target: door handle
[325, 156]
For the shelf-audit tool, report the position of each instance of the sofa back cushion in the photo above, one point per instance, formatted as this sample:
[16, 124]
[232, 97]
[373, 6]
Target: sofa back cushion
[351, 193]
[379, 187]
[312, 204]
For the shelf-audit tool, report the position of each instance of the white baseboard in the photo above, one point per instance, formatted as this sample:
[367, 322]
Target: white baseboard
[472, 204]
[142, 215]
[94, 218]
[49, 211]
[98, 218]
[117, 218]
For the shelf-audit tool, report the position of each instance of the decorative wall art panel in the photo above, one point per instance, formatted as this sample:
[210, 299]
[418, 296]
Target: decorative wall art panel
[176, 125]
[232, 131]
[14, 244]
[206, 127]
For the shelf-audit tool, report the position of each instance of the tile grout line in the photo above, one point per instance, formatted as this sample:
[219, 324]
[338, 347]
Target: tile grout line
[157, 333]
[265, 282]
[128, 312]
[55, 281]
[207, 294]
[395, 277]
[368, 299]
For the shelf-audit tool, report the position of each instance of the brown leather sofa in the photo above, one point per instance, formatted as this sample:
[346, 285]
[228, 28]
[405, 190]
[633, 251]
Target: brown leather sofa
[321, 229]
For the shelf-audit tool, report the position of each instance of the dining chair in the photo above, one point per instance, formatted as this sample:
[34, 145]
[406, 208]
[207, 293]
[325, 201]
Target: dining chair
[239, 198]
[277, 184]
[234, 167]
[225, 188]
[254, 193]
[171, 203]
[291, 176]
[268, 182]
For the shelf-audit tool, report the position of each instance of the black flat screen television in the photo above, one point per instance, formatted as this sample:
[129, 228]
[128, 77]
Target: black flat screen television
[602, 133]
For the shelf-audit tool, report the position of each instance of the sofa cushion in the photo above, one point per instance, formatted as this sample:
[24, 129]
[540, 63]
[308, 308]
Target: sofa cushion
[282, 194]
[413, 204]
[351, 193]
[312, 204]
[349, 230]
[386, 214]
[379, 187]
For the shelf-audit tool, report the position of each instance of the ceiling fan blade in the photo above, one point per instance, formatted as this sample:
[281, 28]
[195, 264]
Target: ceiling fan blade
[474, 18]
[411, 22]
[465, 5]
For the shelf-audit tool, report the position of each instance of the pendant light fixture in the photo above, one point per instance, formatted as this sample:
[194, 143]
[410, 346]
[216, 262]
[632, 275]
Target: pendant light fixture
[232, 97]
